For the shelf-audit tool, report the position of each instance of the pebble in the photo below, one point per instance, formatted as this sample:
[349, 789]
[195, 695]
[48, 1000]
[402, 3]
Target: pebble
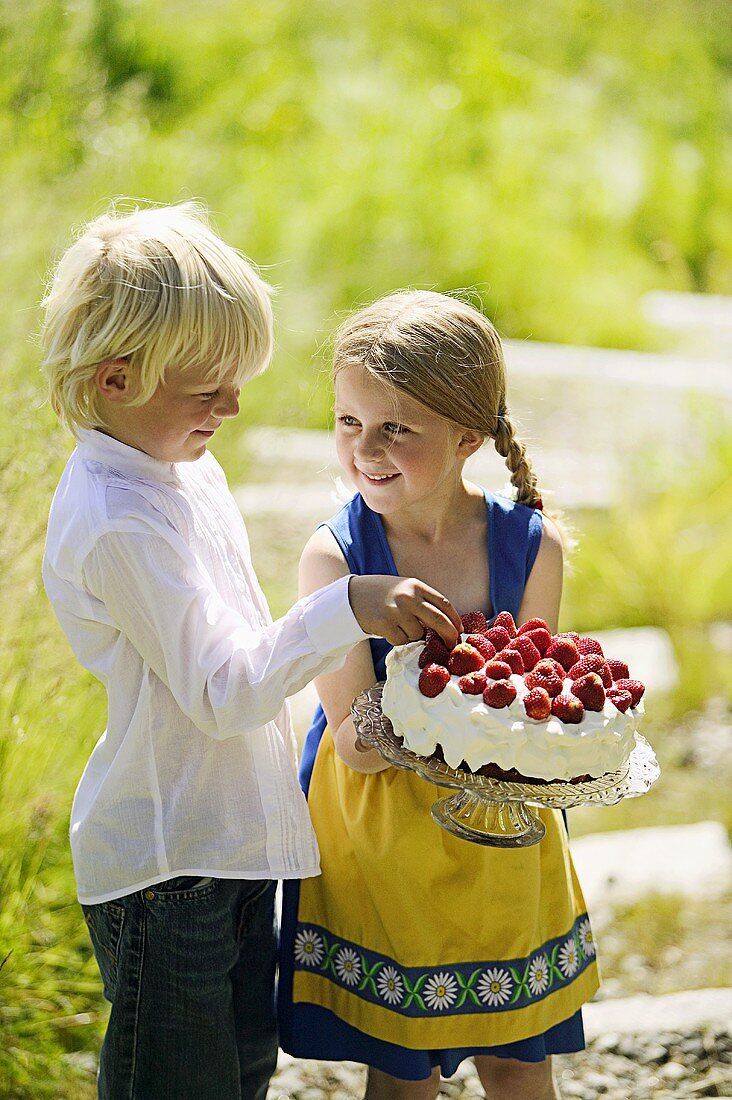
[670, 1065]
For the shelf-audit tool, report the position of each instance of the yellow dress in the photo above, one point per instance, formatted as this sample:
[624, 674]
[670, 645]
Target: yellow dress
[415, 948]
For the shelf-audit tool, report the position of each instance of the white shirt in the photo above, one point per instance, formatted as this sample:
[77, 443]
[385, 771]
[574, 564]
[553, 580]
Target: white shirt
[148, 568]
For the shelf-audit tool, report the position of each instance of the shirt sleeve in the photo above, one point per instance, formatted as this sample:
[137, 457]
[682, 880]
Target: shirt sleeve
[227, 676]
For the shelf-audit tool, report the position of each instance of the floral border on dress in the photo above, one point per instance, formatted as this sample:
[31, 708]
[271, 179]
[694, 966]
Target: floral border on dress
[448, 990]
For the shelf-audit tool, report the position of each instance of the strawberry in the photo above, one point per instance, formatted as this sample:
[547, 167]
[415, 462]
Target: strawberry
[513, 658]
[541, 638]
[619, 669]
[568, 708]
[619, 698]
[551, 683]
[589, 690]
[548, 664]
[499, 636]
[433, 679]
[497, 670]
[564, 650]
[435, 652]
[481, 643]
[537, 704]
[505, 619]
[529, 653]
[499, 693]
[587, 663]
[532, 624]
[464, 658]
[592, 662]
[474, 683]
[635, 687]
[474, 623]
[568, 634]
[589, 645]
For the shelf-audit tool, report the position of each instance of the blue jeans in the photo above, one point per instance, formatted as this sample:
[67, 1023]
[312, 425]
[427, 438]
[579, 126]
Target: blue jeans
[188, 966]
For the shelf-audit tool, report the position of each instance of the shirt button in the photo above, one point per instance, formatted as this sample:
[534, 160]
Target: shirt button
[149, 895]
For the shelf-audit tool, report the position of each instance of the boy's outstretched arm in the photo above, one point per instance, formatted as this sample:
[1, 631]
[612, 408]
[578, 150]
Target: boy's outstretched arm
[229, 672]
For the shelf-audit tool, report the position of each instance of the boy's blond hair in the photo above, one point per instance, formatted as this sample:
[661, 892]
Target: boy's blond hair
[157, 287]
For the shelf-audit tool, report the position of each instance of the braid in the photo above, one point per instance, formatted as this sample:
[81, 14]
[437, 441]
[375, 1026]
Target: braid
[509, 447]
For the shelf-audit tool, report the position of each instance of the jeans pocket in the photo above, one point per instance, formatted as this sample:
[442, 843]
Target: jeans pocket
[105, 923]
[181, 892]
[183, 884]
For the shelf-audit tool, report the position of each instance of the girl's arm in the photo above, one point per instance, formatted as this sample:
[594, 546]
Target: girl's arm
[321, 563]
[543, 592]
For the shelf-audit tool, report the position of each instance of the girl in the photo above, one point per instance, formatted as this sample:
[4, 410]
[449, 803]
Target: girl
[414, 949]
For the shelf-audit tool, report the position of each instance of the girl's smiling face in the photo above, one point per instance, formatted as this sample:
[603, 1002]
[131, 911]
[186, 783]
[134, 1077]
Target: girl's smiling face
[395, 450]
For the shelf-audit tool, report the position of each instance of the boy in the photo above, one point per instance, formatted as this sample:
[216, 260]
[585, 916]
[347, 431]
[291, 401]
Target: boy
[189, 806]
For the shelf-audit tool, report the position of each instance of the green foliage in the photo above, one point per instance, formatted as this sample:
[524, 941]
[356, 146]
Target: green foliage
[561, 156]
[659, 555]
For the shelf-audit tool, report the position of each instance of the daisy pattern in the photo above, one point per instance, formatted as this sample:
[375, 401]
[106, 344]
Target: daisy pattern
[538, 974]
[440, 991]
[390, 985]
[308, 947]
[568, 957]
[494, 987]
[348, 966]
[586, 939]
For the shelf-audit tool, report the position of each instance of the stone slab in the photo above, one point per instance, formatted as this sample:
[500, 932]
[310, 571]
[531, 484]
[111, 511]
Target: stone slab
[620, 867]
[648, 652]
[683, 1012]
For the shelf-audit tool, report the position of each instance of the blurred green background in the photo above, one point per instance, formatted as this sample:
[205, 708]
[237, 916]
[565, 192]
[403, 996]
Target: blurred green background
[558, 157]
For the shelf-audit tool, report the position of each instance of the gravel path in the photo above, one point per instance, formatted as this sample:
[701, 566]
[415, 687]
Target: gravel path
[640, 1058]
[670, 1066]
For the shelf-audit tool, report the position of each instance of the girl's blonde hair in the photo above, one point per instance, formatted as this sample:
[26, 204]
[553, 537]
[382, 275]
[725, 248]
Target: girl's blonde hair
[158, 288]
[447, 355]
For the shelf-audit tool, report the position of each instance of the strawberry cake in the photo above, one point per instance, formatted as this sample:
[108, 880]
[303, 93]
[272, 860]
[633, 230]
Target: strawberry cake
[518, 704]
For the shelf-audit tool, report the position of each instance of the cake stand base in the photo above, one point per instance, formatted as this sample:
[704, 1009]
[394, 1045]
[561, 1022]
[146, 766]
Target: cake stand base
[497, 824]
[494, 811]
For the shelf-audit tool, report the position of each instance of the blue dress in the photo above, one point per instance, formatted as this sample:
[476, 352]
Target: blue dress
[413, 948]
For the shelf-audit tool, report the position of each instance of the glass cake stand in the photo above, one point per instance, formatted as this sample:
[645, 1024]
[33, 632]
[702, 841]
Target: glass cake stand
[494, 811]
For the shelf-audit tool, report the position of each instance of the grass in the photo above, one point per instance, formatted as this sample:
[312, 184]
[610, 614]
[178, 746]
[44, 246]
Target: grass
[50, 714]
[664, 943]
[658, 557]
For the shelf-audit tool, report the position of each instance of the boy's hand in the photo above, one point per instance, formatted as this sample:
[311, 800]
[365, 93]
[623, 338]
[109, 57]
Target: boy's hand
[400, 609]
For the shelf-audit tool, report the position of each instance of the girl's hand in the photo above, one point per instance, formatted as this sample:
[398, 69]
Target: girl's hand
[354, 752]
[400, 609]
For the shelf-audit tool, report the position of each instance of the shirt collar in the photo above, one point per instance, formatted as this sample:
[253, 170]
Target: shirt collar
[98, 447]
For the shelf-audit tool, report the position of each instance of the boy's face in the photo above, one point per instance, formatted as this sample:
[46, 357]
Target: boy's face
[177, 422]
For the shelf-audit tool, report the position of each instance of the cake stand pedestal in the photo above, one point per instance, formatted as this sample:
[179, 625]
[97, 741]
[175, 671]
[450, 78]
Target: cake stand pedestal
[493, 811]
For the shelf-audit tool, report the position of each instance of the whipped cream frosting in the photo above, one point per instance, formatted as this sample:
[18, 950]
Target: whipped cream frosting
[467, 729]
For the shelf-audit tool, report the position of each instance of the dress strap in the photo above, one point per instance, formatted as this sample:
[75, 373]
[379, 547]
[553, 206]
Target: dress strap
[360, 534]
[514, 535]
